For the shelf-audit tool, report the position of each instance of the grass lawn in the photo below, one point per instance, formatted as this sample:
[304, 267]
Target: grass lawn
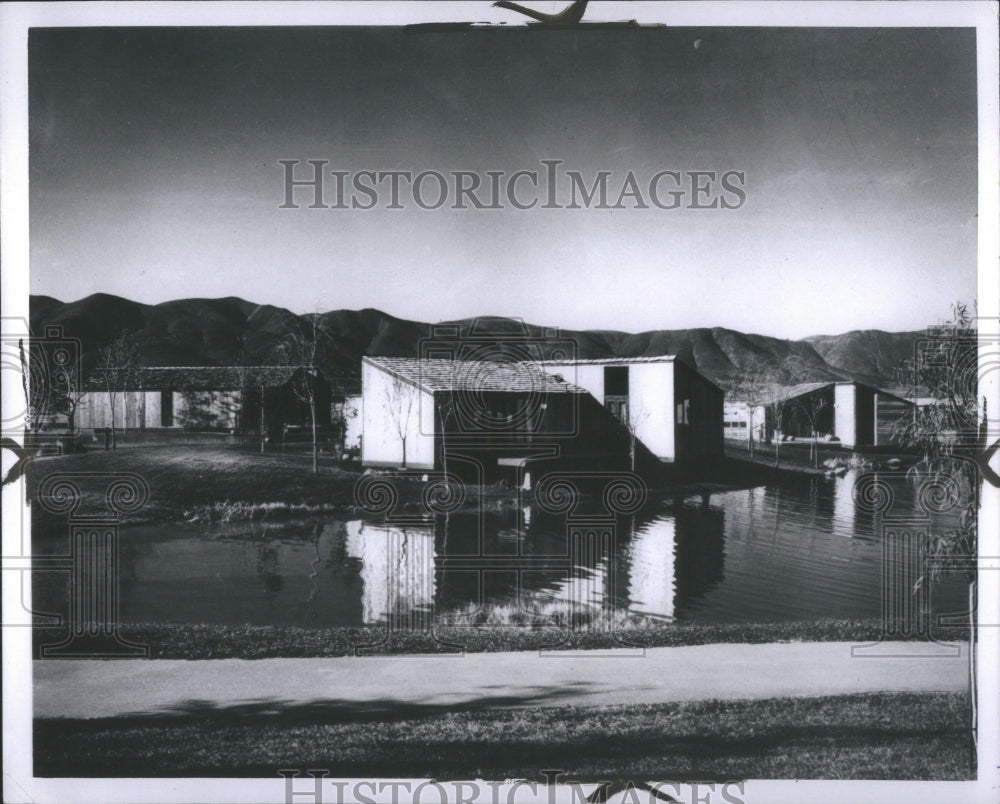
[181, 641]
[186, 481]
[872, 736]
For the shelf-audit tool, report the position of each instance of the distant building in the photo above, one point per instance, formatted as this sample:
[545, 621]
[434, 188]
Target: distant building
[206, 398]
[736, 421]
[852, 413]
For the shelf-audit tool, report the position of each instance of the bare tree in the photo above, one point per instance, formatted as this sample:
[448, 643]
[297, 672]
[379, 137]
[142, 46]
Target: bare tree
[304, 345]
[633, 419]
[776, 407]
[751, 383]
[69, 399]
[117, 366]
[809, 407]
[400, 399]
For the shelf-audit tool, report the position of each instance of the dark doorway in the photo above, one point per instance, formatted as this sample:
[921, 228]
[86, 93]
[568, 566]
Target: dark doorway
[166, 408]
[616, 392]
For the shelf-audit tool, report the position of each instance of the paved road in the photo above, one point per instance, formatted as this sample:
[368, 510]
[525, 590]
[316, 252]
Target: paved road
[103, 688]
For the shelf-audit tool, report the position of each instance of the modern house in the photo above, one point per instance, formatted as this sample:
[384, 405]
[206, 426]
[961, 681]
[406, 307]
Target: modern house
[637, 414]
[413, 409]
[673, 410]
[256, 398]
[851, 413]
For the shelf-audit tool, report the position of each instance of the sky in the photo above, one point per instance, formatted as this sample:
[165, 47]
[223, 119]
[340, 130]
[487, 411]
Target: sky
[155, 171]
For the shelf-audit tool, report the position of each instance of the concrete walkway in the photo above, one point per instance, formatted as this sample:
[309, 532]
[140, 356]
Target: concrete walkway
[104, 688]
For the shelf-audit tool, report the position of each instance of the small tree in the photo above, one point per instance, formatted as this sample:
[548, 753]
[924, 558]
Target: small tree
[810, 406]
[776, 407]
[400, 400]
[633, 419]
[117, 366]
[305, 343]
[751, 383]
[69, 399]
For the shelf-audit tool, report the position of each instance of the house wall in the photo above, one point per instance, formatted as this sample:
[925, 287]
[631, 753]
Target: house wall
[654, 397]
[864, 415]
[698, 406]
[657, 394]
[131, 410]
[139, 410]
[845, 414]
[152, 409]
[205, 409]
[383, 403]
[651, 407]
[650, 399]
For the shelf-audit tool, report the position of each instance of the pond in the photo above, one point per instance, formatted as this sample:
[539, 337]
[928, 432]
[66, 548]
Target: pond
[800, 550]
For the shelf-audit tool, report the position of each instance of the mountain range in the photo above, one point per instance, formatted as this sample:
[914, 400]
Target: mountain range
[202, 332]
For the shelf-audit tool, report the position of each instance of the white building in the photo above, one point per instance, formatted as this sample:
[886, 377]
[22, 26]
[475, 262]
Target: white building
[412, 407]
[736, 423]
[672, 409]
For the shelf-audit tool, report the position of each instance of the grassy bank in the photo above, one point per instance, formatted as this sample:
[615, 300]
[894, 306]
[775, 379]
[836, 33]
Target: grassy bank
[220, 482]
[264, 642]
[872, 736]
[794, 456]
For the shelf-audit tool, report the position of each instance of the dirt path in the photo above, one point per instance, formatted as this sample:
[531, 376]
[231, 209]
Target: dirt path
[96, 688]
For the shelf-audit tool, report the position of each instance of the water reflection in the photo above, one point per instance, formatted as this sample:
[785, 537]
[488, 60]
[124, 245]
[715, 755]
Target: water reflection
[675, 558]
[652, 574]
[798, 550]
[397, 572]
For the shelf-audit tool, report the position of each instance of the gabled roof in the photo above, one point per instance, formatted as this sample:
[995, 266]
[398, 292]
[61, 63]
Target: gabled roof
[203, 378]
[436, 374]
[801, 389]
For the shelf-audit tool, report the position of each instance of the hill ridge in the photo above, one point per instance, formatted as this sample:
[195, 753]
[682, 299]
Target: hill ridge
[220, 331]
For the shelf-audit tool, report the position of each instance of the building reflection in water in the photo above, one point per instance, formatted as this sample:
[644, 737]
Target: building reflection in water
[587, 580]
[650, 566]
[652, 582]
[848, 518]
[675, 558]
[397, 573]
